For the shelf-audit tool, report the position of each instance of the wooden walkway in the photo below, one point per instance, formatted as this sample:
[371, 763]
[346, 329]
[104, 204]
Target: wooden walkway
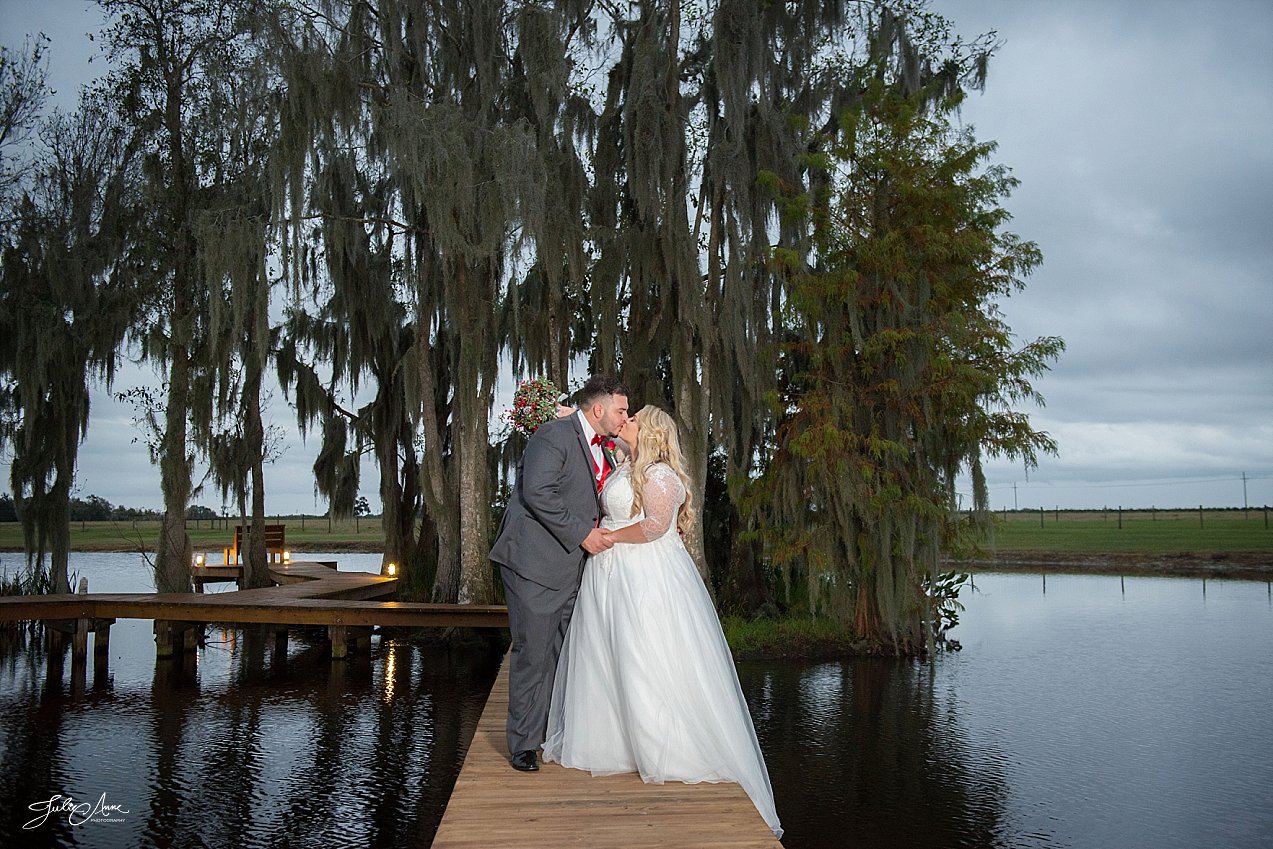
[307, 594]
[493, 805]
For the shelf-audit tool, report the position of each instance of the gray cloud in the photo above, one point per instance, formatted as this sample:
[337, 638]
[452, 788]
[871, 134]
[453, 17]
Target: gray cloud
[1142, 134]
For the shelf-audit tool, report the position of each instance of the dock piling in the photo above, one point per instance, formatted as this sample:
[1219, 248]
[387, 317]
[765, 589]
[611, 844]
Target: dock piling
[339, 635]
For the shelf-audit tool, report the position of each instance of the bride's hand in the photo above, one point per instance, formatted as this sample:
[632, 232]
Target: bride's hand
[597, 541]
[628, 535]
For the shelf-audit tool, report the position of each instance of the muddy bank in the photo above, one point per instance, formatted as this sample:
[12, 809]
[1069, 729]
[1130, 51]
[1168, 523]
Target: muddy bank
[1233, 565]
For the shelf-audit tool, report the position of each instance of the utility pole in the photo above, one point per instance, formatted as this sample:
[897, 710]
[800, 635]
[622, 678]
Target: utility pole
[1244, 505]
[1014, 495]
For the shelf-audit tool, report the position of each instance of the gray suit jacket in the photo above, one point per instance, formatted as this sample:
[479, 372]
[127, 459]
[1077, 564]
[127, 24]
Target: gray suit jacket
[554, 506]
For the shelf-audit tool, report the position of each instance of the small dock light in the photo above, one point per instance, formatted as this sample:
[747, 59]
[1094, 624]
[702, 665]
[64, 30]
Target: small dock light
[391, 570]
[199, 559]
[287, 557]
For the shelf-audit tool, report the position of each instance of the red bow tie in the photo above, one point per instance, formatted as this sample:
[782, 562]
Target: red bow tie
[603, 470]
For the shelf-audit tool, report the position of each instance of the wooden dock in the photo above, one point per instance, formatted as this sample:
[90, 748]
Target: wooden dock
[493, 805]
[307, 593]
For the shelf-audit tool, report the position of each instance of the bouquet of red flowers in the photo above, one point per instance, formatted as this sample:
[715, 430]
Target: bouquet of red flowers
[534, 402]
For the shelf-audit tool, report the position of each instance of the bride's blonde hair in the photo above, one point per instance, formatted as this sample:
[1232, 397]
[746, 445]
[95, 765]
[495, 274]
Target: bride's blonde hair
[657, 442]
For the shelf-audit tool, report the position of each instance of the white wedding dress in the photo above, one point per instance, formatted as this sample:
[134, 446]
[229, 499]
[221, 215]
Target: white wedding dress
[646, 682]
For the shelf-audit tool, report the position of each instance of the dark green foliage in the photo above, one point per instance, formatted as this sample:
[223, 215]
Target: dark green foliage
[897, 371]
[63, 314]
[755, 214]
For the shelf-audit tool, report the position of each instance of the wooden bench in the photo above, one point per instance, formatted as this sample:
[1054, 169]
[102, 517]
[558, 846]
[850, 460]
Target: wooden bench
[275, 544]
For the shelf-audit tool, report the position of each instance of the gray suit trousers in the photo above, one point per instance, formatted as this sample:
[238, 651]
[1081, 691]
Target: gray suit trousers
[538, 618]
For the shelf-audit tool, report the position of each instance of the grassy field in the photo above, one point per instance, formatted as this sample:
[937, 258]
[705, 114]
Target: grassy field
[1058, 532]
[309, 534]
[1141, 531]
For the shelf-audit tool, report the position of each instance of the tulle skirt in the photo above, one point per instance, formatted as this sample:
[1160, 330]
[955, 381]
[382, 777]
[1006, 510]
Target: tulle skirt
[646, 683]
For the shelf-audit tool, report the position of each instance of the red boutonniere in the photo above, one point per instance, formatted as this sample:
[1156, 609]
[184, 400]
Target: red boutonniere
[610, 445]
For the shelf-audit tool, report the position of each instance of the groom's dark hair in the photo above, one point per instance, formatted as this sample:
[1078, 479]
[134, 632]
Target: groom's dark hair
[599, 386]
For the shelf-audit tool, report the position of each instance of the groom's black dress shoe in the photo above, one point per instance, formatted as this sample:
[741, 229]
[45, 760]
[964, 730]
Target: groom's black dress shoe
[525, 761]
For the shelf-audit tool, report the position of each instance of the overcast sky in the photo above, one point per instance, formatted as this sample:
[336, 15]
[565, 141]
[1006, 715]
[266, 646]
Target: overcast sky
[1142, 134]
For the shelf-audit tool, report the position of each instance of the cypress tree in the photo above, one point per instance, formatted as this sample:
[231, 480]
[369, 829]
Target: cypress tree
[63, 313]
[898, 371]
[165, 86]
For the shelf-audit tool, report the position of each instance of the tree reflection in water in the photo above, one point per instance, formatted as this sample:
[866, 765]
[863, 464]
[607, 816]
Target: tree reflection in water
[32, 723]
[866, 754]
[240, 745]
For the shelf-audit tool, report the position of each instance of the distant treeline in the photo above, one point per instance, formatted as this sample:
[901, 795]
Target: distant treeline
[96, 509]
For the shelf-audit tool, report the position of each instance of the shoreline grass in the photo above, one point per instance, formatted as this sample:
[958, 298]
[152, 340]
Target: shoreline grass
[804, 637]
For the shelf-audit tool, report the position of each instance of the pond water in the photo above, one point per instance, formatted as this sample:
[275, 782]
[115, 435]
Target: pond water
[1082, 712]
[228, 747]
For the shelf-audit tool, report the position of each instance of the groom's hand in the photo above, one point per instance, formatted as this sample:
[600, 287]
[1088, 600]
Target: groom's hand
[597, 541]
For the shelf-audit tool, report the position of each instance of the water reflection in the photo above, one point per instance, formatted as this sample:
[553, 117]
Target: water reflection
[865, 753]
[1093, 712]
[1083, 712]
[240, 744]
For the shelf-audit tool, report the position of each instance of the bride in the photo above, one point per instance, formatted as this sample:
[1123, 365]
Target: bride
[646, 682]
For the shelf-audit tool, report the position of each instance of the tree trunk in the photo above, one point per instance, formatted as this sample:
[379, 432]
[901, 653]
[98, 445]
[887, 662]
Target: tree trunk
[744, 589]
[59, 518]
[399, 496]
[172, 561]
[691, 410]
[256, 567]
[439, 495]
[476, 584]
[866, 619]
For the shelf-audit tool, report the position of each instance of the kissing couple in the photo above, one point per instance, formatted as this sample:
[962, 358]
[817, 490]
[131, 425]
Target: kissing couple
[618, 662]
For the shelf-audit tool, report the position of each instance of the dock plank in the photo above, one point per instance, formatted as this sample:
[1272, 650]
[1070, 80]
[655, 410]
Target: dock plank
[309, 594]
[493, 805]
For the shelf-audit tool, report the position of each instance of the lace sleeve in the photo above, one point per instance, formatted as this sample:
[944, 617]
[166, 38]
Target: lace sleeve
[661, 497]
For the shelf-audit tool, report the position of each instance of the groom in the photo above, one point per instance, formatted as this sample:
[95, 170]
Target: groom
[550, 526]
